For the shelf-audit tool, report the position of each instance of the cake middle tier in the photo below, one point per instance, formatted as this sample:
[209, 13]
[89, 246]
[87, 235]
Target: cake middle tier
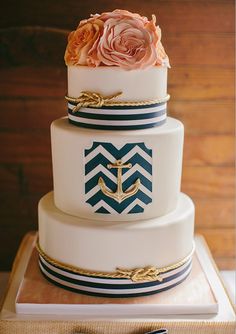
[117, 175]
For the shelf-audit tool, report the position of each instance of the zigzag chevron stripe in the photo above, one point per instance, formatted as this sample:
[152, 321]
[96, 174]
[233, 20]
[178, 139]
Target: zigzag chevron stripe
[96, 189]
[132, 205]
[137, 161]
[141, 152]
[110, 201]
[112, 185]
[109, 174]
[100, 168]
[144, 190]
[140, 169]
[116, 151]
[99, 150]
[94, 182]
[101, 160]
[103, 204]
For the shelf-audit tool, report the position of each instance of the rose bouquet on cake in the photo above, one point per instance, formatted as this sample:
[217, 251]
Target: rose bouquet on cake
[118, 38]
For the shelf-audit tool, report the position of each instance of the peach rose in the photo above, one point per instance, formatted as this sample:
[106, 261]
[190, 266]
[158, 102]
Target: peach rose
[81, 41]
[128, 42]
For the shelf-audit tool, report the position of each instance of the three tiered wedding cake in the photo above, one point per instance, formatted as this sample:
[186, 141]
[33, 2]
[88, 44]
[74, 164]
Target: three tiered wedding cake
[116, 224]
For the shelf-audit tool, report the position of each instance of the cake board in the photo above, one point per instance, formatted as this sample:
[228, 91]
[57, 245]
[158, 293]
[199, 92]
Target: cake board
[38, 296]
[95, 321]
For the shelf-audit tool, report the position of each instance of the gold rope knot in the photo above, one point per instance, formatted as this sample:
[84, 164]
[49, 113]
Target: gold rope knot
[141, 274]
[90, 99]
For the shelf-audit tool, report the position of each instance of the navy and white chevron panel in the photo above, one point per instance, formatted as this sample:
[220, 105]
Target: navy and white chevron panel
[112, 287]
[119, 117]
[96, 161]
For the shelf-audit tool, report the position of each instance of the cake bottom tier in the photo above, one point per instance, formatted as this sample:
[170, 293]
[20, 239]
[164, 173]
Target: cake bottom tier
[115, 259]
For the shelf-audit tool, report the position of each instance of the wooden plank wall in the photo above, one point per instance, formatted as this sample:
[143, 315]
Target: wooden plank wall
[199, 38]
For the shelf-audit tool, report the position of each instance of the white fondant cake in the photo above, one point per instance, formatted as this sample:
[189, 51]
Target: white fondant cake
[116, 224]
[134, 85]
[73, 170]
[104, 246]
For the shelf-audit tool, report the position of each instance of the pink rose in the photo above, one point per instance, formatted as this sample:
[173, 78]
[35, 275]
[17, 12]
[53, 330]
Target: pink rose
[129, 41]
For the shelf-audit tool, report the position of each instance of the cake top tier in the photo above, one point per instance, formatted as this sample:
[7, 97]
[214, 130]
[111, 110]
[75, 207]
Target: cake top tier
[119, 38]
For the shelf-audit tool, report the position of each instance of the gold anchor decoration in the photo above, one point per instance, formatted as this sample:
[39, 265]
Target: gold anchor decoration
[119, 195]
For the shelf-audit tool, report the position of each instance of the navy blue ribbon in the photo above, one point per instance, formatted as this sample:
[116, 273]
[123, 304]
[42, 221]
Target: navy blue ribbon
[110, 287]
[118, 117]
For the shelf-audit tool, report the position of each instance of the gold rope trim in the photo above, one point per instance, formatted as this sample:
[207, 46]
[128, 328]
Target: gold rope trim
[149, 273]
[96, 100]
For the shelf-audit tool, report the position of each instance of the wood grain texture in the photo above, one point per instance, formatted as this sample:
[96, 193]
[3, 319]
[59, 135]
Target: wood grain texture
[197, 83]
[37, 82]
[214, 212]
[195, 115]
[221, 241]
[209, 182]
[17, 45]
[19, 209]
[199, 39]
[213, 150]
[185, 83]
[34, 113]
[16, 210]
[10, 239]
[173, 15]
[32, 45]
[34, 146]
[218, 49]
[224, 263]
[198, 182]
